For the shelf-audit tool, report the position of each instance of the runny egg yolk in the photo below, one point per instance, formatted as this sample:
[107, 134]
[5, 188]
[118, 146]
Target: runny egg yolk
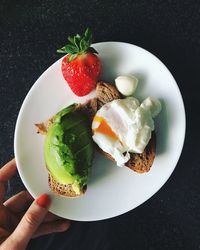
[104, 128]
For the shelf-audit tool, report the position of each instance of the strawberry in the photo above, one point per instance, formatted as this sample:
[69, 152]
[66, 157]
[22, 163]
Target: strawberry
[81, 66]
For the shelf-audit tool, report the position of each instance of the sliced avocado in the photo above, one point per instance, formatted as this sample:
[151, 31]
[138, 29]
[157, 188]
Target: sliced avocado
[68, 148]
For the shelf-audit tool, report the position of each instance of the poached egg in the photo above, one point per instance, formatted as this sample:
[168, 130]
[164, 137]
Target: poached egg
[124, 126]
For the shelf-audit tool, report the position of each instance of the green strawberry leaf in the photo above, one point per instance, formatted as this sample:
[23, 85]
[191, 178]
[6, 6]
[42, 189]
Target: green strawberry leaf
[84, 44]
[71, 39]
[88, 36]
[69, 49]
[72, 57]
[77, 39]
[86, 32]
[62, 50]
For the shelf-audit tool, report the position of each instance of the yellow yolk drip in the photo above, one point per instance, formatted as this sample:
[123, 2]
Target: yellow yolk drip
[104, 128]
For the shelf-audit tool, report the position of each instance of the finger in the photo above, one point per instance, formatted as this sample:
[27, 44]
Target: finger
[8, 171]
[52, 227]
[52, 217]
[8, 220]
[2, 191]
[19, 202]
[48, 218]
[30, 222]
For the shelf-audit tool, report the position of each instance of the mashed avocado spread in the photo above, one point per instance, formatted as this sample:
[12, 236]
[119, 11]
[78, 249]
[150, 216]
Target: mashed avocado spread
[68, 148]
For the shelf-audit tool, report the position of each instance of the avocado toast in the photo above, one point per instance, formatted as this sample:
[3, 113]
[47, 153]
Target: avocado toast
[68, 151]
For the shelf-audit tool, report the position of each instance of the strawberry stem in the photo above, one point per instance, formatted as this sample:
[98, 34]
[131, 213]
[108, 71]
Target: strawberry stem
[78, 45]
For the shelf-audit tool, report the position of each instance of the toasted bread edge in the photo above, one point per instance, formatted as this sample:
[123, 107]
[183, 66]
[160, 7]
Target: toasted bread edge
[140, 163]
[63, 189]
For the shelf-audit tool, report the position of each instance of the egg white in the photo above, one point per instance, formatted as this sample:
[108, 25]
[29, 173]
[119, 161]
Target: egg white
[132, 124]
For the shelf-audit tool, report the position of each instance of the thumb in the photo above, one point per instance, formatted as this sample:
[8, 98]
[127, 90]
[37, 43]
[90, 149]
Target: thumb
[31, 221]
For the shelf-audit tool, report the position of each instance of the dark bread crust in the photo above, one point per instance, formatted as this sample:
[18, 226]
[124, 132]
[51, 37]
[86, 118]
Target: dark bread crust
[139, 163]
[63, 189]
[142, 163]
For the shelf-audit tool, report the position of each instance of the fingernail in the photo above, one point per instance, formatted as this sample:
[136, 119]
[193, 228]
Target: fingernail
[43, 201]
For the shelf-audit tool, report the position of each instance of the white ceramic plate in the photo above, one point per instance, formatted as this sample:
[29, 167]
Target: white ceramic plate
[111, 190]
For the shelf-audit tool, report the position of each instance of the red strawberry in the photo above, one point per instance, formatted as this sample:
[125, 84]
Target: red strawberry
[80, 67]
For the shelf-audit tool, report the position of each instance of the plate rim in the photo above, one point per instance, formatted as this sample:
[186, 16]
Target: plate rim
[35, 86]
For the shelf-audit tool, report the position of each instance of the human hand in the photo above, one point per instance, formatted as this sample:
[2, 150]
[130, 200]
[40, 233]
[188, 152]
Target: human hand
[17, 224]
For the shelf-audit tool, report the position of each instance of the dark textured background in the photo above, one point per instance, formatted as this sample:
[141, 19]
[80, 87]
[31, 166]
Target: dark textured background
[30, 32]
